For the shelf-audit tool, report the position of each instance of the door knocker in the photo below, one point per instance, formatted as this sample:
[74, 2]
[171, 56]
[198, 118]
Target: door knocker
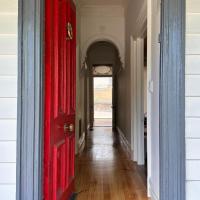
[69, 31]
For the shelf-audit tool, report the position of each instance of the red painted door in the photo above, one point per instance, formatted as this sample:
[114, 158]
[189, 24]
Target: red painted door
[60, 95]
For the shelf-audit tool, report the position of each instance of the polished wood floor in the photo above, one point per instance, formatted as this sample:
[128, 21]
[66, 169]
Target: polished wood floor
[102, 122]
[103, 171]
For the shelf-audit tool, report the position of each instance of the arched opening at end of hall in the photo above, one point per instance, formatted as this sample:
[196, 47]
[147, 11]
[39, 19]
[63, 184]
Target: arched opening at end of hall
[104, 65]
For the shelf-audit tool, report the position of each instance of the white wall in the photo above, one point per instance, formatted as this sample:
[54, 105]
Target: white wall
[102, 23]
[153, 60]
[135, 21]
[193, 100]
[8, 98]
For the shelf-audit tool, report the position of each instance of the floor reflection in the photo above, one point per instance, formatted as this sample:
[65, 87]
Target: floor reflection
[104, 172]
[102, 148]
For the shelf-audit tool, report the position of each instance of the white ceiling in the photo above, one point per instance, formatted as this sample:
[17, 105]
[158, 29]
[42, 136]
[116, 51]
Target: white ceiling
[101, 2]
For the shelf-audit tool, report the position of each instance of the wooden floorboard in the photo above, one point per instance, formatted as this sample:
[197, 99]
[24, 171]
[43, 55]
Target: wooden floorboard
[103, 171]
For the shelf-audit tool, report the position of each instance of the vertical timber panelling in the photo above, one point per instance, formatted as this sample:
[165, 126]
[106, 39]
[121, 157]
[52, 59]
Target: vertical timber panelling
[192, 99]
[8, 97]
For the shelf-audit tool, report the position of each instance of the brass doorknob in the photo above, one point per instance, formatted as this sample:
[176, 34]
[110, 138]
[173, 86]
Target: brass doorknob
[68, 128]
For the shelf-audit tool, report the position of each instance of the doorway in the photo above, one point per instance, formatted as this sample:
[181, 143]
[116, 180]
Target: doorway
[103, 87]
[103, 66]
[29, 182]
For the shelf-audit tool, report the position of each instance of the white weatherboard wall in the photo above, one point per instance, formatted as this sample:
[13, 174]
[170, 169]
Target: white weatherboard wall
[193, 100]
[8, 98]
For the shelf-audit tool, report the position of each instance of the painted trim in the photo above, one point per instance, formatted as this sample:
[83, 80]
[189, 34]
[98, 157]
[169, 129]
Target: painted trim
[30, 100]
[125, 143]
[81, 143]
[137, 105]
[149, 92]
[133, 99]
[172, 100]
[152, 192]
[139, 100]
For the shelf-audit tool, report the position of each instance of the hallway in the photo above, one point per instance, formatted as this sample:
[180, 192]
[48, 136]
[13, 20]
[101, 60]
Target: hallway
[103, 171]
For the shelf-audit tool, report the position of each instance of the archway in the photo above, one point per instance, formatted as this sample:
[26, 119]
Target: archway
[106, 38]
[102, 55]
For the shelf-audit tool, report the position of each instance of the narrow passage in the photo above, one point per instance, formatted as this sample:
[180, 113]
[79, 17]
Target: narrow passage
[104, 172]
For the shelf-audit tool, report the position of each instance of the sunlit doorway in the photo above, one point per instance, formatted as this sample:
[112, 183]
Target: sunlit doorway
[103, 87]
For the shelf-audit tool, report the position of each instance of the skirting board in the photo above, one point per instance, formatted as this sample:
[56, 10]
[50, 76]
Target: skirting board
[152, 192]
[81, 143]
[88, 127]
[124, 142]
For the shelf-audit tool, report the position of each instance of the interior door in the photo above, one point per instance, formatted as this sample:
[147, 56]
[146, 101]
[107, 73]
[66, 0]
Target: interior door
[60, 95]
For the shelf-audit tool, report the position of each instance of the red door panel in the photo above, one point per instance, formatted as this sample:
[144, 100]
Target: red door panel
[60, 99]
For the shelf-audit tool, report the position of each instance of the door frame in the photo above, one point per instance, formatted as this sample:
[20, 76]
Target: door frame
[31, 92]
[172, 102]
[137, 99]
[30, 106]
